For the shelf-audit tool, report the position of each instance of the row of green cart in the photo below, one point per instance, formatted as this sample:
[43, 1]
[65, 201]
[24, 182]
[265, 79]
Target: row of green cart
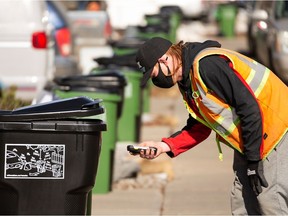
[116, 81]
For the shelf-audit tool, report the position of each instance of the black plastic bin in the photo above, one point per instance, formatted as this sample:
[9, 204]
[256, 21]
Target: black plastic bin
[49, 157]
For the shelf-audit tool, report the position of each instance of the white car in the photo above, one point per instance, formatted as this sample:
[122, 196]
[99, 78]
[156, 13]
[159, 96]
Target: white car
[26, 47]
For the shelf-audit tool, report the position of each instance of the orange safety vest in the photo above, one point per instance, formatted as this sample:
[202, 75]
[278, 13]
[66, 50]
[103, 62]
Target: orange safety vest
[270, 92]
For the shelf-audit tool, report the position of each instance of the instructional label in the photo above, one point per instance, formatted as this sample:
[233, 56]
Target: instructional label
[34, 161]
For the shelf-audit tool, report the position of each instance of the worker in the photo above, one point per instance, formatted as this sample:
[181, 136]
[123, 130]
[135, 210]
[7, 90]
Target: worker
[241, 100]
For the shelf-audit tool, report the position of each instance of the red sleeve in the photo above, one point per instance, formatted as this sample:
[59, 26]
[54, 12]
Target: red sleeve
[187, 139]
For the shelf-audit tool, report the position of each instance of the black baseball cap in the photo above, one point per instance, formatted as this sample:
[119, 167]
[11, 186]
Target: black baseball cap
[148, 55]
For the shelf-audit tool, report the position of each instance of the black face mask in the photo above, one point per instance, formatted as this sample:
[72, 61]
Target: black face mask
[161, 80]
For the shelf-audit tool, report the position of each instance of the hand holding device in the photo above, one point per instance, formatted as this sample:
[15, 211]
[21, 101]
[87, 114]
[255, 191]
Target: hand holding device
[137, 149]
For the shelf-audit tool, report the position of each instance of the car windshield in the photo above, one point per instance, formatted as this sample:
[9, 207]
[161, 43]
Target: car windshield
[281, 9]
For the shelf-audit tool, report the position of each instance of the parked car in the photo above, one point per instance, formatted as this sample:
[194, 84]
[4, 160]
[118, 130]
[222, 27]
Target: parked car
[26, 47]
[65, 61]
[270, 32]
[91, 29]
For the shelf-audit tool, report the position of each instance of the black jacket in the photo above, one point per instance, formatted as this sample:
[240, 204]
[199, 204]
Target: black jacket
[222, 80]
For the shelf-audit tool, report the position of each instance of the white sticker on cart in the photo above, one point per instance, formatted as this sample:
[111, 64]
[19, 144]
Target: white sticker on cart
[34, 161]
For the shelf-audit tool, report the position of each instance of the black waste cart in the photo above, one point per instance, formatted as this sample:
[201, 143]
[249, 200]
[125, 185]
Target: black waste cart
[49, 157]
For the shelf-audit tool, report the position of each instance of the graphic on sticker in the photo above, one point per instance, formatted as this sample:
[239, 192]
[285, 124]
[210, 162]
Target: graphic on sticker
[34, 161]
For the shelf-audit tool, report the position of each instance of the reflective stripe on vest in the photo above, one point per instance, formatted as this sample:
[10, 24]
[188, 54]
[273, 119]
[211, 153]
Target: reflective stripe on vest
[227, 120]
[223, 119]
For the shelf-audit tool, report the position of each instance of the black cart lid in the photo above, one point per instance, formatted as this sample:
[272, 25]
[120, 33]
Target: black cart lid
[127, 60]
[112, 79]
[58, 109]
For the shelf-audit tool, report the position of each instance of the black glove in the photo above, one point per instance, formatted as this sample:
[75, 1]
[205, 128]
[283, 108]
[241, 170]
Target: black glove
[256, 176]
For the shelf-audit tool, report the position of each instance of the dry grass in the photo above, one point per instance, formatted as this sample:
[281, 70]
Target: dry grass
[8, 100]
